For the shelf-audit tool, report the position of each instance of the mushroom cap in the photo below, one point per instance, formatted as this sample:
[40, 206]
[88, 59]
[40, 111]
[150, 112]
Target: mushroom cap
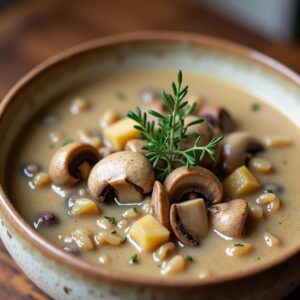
[235, 148]
[182, 181]
[207, 134]
[218, 117]
[229, 218]
[131, 167]
[136, 145]
[64, 167]
[160, 204]
[189, 221]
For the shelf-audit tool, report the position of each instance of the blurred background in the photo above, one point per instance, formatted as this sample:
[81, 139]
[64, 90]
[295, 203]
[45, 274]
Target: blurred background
[33, 30]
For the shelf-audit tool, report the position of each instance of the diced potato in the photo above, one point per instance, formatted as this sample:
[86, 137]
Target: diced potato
[240, 183]
[148, 233]
[84, 207]
[120, 132]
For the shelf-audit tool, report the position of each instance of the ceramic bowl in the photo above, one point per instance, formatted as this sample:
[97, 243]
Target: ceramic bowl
[63, 276]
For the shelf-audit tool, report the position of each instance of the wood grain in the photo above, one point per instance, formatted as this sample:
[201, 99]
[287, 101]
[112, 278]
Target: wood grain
[31, 31]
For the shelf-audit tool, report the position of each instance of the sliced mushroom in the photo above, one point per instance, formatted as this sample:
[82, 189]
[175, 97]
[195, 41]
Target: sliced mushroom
[68, 162]
[136, 145]
[236, 149]
[207, 133]
[128, 173]
[229, 218]
[160, 204]
[182, 181]
[218, 117]
[189, 221]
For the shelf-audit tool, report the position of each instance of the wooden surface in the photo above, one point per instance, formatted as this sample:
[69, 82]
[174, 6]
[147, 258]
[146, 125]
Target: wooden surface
[31, 31]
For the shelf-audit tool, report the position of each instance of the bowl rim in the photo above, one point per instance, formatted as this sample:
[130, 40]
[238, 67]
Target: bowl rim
[113, 275]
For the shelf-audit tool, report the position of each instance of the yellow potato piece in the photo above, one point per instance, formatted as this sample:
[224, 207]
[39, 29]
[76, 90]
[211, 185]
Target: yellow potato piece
[120, 132]
[148, 233]
[84, 207]
[240, 183]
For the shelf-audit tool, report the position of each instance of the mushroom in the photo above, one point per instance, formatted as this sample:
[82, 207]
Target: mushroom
[72, 162]
[207, 133]
[136, 145]
[229, 218]
[236, 148]
[182, 181]
[129, 174]
[160, 204]
[189, 221]
[218, 117]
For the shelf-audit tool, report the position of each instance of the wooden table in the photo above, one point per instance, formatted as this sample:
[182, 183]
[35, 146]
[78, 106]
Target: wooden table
[31, 31]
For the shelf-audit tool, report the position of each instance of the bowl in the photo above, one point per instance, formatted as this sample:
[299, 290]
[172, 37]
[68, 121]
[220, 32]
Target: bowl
[63, 276]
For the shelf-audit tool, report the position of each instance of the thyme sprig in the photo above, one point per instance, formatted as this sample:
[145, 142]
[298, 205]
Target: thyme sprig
[165, 141]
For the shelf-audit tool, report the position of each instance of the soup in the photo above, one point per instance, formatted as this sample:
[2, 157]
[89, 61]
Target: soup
[225, 216]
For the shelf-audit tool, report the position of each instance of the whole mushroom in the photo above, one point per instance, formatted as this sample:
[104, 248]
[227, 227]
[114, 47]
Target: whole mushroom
[182, 182]
[129, 174]
[236, 149]
[72, 162]
[218, 117]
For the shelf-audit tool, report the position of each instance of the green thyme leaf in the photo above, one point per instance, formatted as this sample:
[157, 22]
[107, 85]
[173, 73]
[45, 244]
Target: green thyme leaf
[112, 220]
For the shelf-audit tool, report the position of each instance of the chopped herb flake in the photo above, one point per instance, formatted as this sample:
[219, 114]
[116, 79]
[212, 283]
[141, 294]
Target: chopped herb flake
[120, 96]
[124, 240]
[255, 107]
[269, 191]
[114, 232]
[238, 245]
[67, 141]
[135, 210]
[189, 258]
[134, 260]
[112, 220]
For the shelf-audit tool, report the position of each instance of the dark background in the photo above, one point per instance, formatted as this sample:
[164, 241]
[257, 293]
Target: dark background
[33, 30]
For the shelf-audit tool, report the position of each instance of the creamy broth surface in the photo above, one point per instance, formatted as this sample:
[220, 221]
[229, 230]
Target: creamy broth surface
[121, 92]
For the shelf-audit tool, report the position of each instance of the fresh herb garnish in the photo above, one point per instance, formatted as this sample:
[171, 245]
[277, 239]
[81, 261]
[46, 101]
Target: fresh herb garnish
[67, 141]
[135, 210]
[112, 220]
[120, 96]
[238, 245]
[269, 191]
[255, 107]
[164, 144]
[189, 258]
[114, 232]
[124, 240]
[134, 260]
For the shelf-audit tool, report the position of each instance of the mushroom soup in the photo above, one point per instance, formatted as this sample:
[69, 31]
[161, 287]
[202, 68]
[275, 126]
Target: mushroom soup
[185, 205]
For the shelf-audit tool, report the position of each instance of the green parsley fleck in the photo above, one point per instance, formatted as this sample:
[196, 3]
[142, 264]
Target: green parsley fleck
[135, 210]
[255, 107]
[269, 191]
[67, 141]
[124, 240]
[238, 245]
[189, 258]
[120, 96]
[134, 260]
[114, 232]
[112, 220]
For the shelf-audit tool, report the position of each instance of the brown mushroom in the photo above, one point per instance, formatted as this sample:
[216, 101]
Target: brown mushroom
[218, 117]
[160, 204]
[189, 221]
[136, 145]
[236, 149]
[182, 181]
[128, 174]
[72, 162]
[207, 134]
[229, 218]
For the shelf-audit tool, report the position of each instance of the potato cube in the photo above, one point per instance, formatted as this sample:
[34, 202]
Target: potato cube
[84, 207]
[120, 132]
[240, 183]
[148, 233]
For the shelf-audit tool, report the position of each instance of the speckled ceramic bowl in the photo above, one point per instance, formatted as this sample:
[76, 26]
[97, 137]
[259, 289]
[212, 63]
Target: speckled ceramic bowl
[63, 276]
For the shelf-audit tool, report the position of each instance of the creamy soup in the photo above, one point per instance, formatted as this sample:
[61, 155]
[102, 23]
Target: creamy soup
[224, 238]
